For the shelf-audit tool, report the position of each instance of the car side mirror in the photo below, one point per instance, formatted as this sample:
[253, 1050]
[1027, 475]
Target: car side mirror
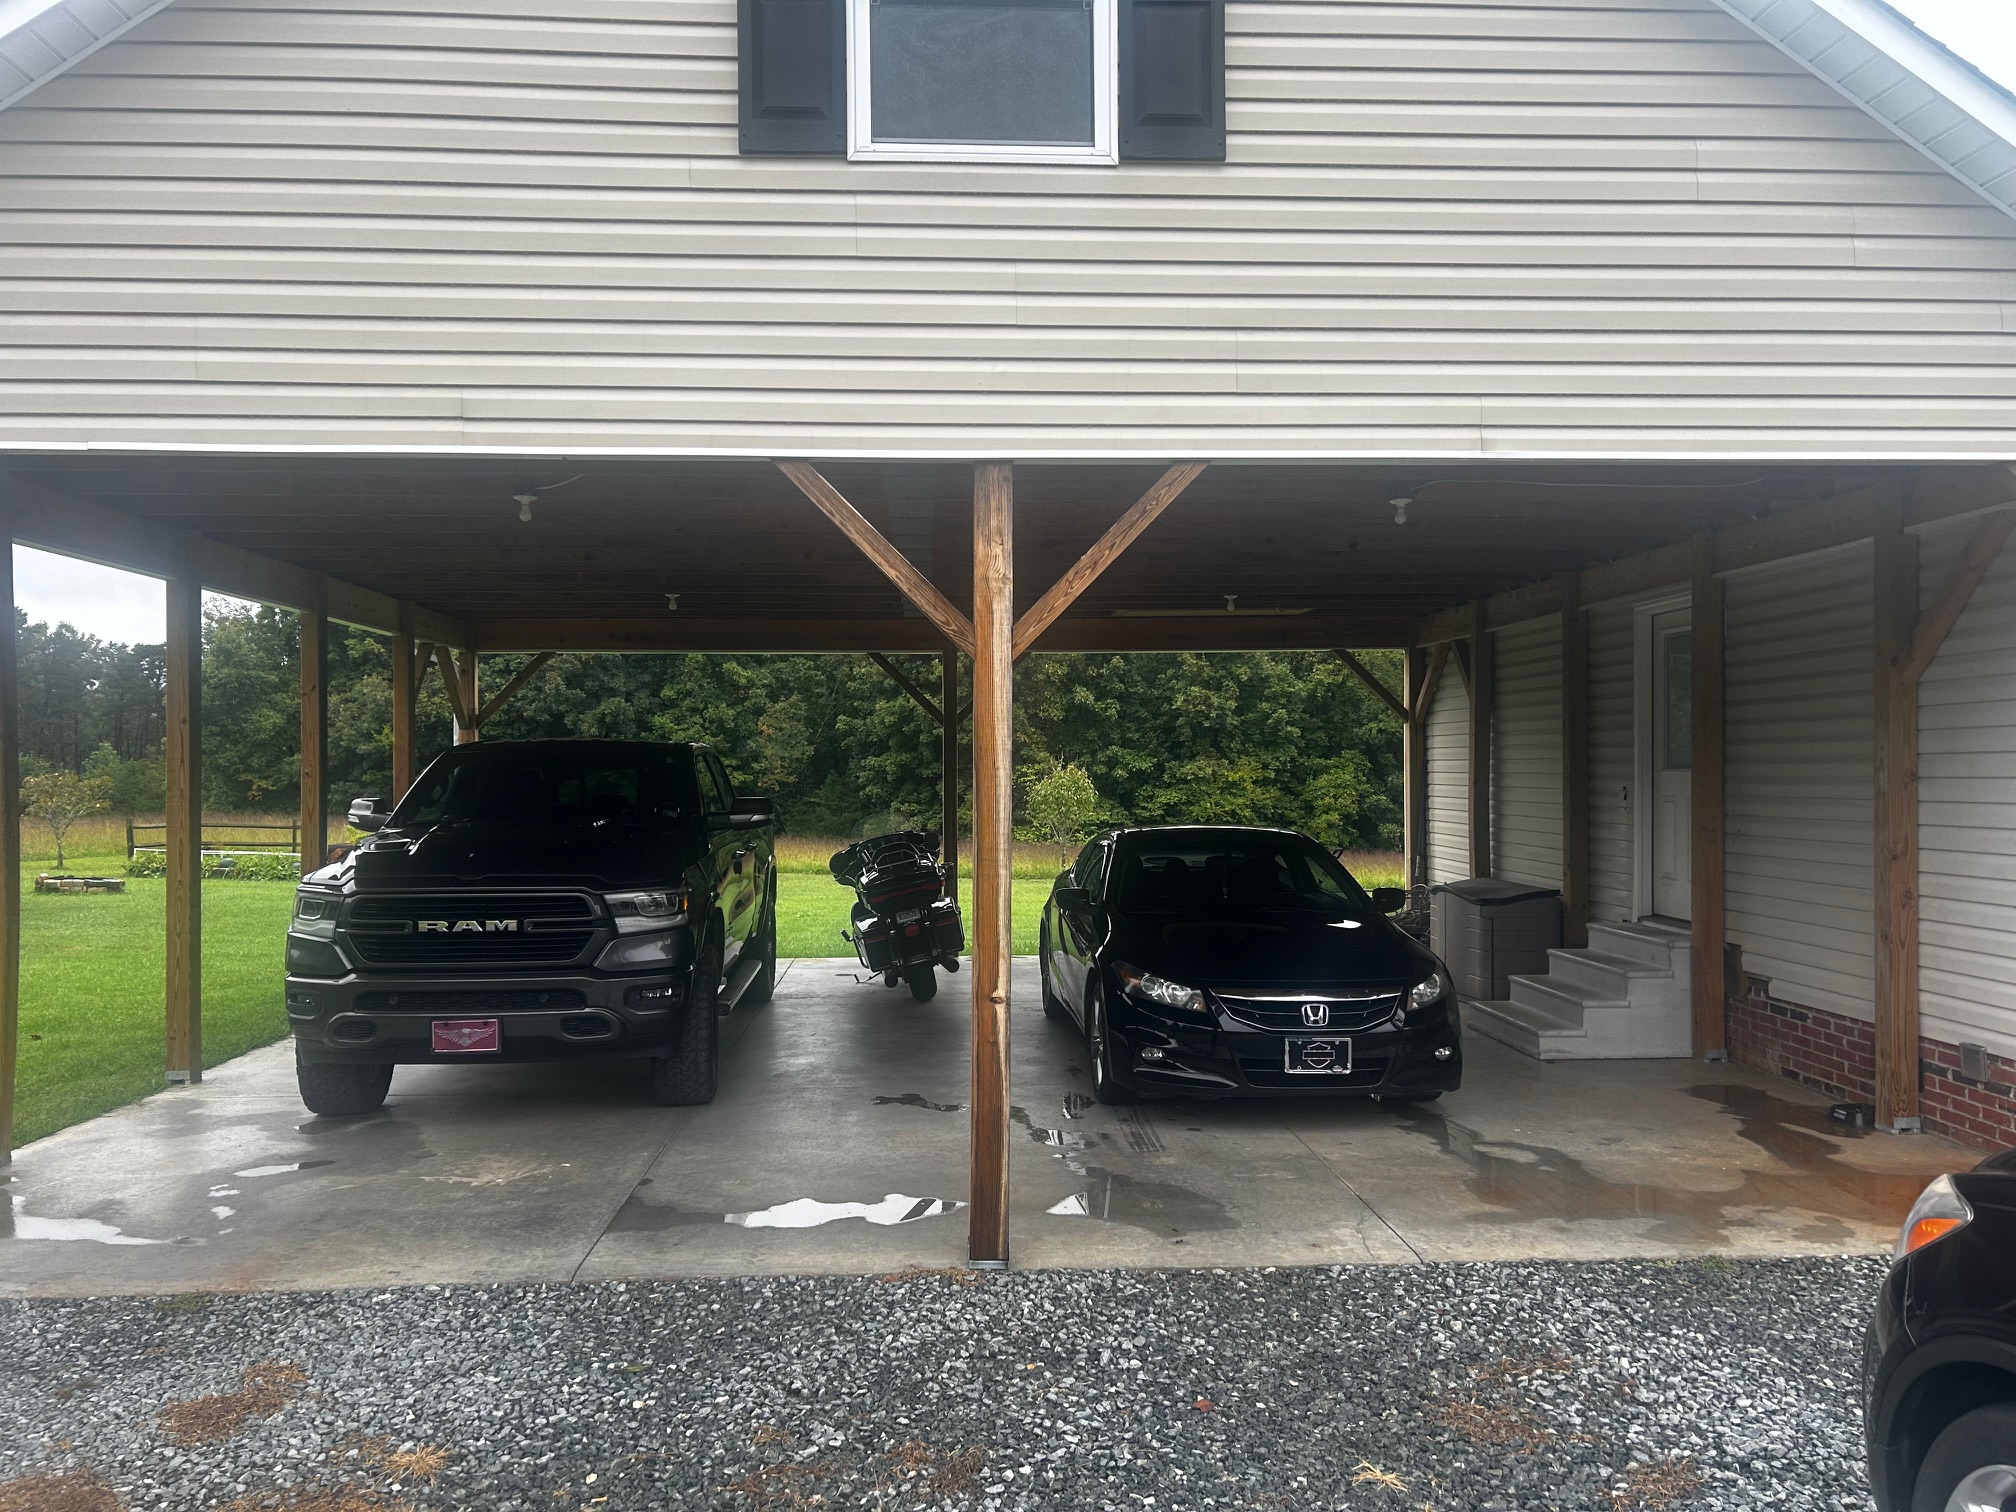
[1071, 897]
[1389, 899]
[368, 814]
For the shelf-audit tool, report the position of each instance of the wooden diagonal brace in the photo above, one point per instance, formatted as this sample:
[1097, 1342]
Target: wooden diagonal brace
[452, 686]
[1438, 663]
[505, 694]
[1978, 556]
[1386, 695]
[922, 699]
[1103, 553]
[896, 567]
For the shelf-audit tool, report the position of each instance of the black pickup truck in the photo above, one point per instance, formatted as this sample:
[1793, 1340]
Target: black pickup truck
[536, 901]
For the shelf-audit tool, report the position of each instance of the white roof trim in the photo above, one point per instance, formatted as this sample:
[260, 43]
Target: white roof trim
[40, 39]
[1932, 99]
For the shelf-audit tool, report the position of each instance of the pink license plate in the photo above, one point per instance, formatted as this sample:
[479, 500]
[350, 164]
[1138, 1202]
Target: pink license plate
[466, 1036]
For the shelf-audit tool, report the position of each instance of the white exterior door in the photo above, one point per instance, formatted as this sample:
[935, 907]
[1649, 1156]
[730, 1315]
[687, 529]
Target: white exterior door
[1671, 829]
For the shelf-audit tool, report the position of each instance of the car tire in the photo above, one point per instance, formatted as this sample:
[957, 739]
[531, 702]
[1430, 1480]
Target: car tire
[1106, 1084]
[688, 1077]
[923, 979]
[1971, 1464]
[1053, 1005]
[341, 1090]
[763, 986]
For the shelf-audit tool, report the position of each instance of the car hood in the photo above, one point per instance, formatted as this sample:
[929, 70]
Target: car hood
[457, 851]
[1298, 950]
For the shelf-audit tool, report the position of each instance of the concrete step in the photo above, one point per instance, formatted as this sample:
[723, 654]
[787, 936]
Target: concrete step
[1654, 944]
[1529, 1030]
[1562, 1000]
[1600, 971]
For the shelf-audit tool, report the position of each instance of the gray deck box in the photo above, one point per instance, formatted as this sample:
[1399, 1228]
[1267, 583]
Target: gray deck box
[1487, 931]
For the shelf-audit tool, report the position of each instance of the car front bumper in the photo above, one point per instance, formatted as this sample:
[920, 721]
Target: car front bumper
[1231, 1060]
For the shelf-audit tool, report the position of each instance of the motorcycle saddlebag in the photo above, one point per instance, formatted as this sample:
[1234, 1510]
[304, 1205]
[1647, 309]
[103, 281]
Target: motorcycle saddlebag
[948, 932]
[874, 941]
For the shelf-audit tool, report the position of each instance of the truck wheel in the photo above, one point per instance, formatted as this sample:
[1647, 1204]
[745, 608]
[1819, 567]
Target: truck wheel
[1053, 1005]
[341, 1091]
[687, 1077]
[923, 979]
[764, 984]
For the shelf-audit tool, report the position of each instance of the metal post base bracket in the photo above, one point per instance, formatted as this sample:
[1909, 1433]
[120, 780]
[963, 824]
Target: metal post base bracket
[987, 1265]
[183, 1078]
[1903, 1126]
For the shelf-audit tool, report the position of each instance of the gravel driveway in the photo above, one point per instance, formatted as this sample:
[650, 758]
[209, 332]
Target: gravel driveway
[1451, 1387]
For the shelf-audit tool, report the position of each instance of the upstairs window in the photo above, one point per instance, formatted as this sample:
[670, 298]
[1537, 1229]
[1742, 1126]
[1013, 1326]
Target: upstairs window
[1027, 81]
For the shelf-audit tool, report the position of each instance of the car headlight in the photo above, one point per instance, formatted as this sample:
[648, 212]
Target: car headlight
[1160, 992]
[635, 912]
[1424, 995]
[1938, 1212]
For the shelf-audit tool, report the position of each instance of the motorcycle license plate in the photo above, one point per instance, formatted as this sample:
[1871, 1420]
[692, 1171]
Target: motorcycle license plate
[1318, 1057]
[467, 1037]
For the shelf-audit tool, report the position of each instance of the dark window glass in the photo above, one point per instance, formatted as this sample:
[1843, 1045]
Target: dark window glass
[1085, 870]
[982, 71]
[554, 787]
[1214, 873]
[715, 794]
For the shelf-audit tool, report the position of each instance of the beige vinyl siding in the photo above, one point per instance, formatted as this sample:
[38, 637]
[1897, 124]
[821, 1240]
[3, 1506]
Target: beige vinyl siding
[1526, 752]
[1598, 227]
[1800, 777]
[1967, 810]
[1449, 779]
[1613, 762]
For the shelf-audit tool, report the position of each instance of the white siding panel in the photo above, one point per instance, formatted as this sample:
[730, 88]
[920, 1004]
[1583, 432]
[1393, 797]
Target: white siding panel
[1449, 779]
[1967, 809]
[1526, 752]
[1600, 227]
[1800, 777]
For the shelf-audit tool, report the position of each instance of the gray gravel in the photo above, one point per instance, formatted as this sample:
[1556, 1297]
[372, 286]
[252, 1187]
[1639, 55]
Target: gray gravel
[1481, 1387]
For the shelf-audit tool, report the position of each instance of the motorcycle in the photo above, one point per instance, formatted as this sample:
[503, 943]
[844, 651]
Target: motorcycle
[905, 924]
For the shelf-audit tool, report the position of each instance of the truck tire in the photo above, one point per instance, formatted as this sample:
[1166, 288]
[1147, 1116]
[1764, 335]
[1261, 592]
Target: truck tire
[764, 984]
[923, 979]
[341, 1090]
[687, 1077]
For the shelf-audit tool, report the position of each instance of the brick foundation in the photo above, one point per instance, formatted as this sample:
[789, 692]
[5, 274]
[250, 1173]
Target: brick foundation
[1837, 1055]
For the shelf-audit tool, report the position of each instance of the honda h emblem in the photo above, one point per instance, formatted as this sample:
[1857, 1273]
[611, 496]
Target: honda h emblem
[1315, 1015]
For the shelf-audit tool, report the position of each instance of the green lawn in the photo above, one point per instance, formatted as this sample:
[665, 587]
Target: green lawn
[812, 910]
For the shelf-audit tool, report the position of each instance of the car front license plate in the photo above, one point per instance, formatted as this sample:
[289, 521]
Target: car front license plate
[1318, 1057]
[467, 1037]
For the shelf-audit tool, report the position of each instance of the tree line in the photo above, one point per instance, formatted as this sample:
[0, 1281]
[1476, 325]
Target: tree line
[1286, 738]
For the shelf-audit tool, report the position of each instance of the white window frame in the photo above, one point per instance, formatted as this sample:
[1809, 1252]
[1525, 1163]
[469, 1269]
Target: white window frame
[861, 143]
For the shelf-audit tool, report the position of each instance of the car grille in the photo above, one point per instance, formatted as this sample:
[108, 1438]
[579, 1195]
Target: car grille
[1269, 1073]
[461, 1004]
[549, 928]
[1280, 1011]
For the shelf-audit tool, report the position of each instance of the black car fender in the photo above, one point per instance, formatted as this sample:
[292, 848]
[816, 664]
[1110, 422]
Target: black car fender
[1940, 1379]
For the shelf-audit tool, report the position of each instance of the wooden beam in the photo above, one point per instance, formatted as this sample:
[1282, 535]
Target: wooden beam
[405, 698]
[1480, 743]
[1364, 673]
[1944, 612]
[948, 769]
[1707, 756]
[1575, 794]
[1413, 767]
[895, 566]
[993, 843]
[918, 696]
[1103, 553]
[468, 675]
[314, 809]
[451, 688]
[505, 694]
[1431, 683]
[184, 753]
[1898, 1069]
[10, 849]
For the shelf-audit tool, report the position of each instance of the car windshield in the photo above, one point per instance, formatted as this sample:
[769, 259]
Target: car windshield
[1215, 873]
[553, 787]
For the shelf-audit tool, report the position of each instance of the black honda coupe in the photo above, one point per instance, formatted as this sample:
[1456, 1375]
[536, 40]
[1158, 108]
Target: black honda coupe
[1219, 962]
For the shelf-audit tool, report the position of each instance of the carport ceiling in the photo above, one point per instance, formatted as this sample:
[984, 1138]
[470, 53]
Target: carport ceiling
[1311, 553]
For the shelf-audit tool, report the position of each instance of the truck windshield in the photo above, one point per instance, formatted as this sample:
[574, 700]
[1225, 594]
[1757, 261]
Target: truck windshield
[1206, 873]
[549, 788]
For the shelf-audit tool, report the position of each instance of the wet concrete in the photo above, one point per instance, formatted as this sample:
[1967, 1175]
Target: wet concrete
[838, 1144]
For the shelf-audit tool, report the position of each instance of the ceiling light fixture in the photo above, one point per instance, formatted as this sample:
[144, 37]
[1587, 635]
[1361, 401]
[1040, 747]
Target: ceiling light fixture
[1400, 503]
[530, 495]
[671, 601]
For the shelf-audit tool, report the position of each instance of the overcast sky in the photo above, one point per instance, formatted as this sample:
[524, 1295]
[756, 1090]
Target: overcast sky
[119, 606]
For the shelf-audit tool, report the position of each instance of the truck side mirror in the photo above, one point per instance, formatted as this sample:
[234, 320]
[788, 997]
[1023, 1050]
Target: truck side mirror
[368, 814]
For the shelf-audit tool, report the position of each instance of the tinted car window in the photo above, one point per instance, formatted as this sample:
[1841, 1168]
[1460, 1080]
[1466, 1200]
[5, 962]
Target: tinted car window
[715, 795]
[1215, 873]
[1085, 870]
[548, 787]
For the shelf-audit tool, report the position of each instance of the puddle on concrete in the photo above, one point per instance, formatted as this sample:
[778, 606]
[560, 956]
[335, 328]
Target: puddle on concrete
[637, 1217]
[1076, 1104]
[1160, 1207]
[22, 1225]
[281, 1170]
[919, 1100]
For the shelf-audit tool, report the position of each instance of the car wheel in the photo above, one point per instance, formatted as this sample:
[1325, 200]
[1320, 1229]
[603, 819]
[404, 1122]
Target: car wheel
[688, 1076]
[341, 1091]
[1053, 1005]
[1971, 1467]
[1106, 1084]
[923, 979]
[764, 985]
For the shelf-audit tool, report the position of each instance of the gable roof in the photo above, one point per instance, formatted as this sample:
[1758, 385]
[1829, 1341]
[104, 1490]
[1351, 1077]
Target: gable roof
[39, 39]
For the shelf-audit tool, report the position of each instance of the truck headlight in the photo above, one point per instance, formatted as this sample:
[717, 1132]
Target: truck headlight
[1160, 992]
[635, 912]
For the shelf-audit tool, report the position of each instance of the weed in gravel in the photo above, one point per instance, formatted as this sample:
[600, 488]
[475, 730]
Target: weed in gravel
[958, 1275]
[1513, 1369]
[783, 1485]
[1496, 1426]
[1654, 1488]
[1368, 1474]
[64, 1491]
[183, 1302]
[769, 1433]
[268, 1387]
[958, 1471]
[70, 1389]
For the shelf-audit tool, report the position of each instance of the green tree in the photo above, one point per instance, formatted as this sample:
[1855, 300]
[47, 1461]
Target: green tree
[132, 787]
[1062, 806]
[60, 799]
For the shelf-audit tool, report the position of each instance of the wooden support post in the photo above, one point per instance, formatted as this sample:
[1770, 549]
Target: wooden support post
[468, 720]
[1574, 765]
[993, 838]
[948, 767]
[184, 741]
[1413, 769]
[405, 699]
[314, 811]
[1480, 743]
[1707, 755]
[10, 847]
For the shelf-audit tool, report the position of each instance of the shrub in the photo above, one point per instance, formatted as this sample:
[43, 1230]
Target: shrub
[225, 866]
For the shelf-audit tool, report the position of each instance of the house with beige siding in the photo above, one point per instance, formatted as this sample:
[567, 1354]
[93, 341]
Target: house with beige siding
[1645, 368]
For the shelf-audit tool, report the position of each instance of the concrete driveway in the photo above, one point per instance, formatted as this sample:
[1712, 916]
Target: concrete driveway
[838, 1144]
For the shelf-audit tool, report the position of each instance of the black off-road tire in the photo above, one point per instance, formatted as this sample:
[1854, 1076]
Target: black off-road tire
[341, 1089]
[688, 1077]
[923, 979]
[1106, 1084]
[1053, 1005]
[763, 986]
[1980, 1446]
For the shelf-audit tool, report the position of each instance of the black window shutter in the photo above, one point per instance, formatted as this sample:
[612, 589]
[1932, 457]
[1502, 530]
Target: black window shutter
[794, 76]
[1172, 80]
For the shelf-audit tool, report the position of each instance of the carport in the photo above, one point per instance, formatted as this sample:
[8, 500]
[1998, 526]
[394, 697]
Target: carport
[457, 557]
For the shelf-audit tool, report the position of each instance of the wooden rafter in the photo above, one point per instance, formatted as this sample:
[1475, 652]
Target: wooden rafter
[1103, 553]
[1438, 662]
[918, 696]
[451, 685]
[1938, 620]
[1364, 673]
[510, 690]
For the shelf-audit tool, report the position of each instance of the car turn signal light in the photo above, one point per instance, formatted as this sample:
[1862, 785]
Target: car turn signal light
[1940, 1210]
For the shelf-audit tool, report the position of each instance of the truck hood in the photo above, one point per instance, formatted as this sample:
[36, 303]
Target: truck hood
[459, 852]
